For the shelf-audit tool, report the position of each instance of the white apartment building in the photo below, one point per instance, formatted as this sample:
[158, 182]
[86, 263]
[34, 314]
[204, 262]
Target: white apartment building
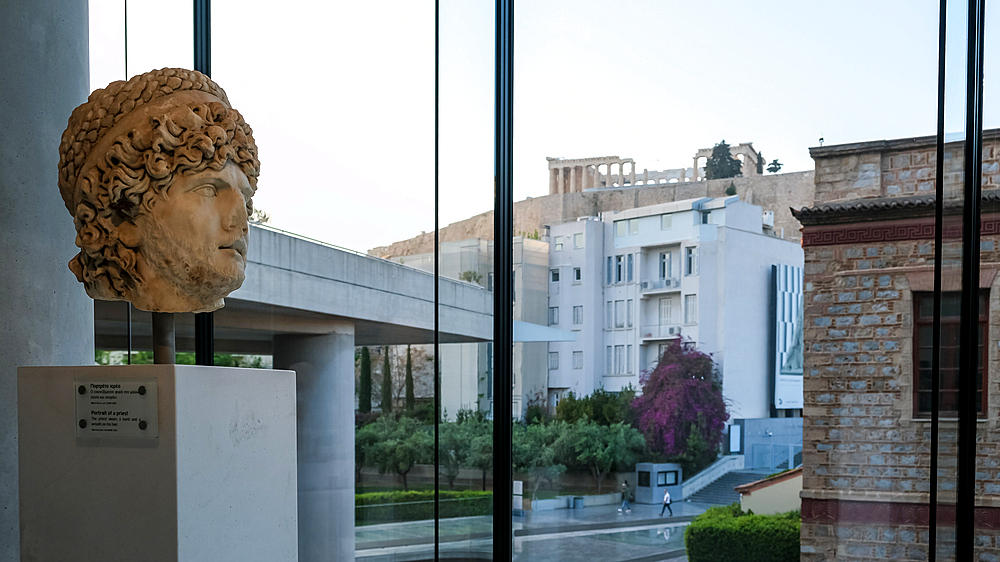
[630, 282]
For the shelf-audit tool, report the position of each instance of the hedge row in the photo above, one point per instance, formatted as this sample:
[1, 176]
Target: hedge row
[724, 534]
[390, 507]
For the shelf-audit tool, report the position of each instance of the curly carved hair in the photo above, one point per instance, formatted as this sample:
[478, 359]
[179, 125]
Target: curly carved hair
[124, 147]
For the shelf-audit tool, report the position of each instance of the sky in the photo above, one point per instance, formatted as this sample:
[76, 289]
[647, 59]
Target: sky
[340, 95]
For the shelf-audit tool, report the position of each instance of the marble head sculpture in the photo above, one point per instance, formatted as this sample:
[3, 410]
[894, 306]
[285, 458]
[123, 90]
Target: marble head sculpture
[159, 173]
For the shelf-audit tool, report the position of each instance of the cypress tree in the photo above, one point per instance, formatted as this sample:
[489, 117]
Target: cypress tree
[365, 384]
[386, 383]
[410, 398]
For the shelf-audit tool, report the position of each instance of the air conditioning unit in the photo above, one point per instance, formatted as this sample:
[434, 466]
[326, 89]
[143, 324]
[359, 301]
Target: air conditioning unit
[674, 330]
[645, 285]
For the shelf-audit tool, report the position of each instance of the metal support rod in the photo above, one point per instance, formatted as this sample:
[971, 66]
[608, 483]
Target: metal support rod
[503, 321]
[965, 532]
[164, 352]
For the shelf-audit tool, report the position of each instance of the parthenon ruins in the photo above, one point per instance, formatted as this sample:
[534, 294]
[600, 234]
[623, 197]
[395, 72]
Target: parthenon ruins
[574, 175]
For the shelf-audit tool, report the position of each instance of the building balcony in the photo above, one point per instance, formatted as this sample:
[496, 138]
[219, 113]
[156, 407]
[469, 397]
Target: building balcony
[661, 332]
[660, 286]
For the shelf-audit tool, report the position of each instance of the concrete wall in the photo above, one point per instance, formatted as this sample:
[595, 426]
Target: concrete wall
[45, 316]
[779, 497]
[775, 192]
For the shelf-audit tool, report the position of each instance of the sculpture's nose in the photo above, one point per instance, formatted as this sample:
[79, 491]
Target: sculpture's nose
[237, 218]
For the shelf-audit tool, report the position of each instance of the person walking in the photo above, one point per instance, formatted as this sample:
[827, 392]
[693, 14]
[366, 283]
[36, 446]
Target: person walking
[625, 497]
[666, 503]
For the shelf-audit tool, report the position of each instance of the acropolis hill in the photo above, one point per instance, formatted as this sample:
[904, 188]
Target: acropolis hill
[588, 186]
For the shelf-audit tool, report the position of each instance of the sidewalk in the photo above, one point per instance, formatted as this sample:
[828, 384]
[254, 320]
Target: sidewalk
[585, 534]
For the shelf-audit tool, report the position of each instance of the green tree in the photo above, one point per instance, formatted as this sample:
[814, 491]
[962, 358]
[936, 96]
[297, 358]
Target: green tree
[601, 448]
[721, 163]
[774, 167]
[395, 446]
[534, 452]
[453, 439]
[603, 407]
[471, 276]
[410, 398]
[731, 190]
[386, 382]
[365, 384]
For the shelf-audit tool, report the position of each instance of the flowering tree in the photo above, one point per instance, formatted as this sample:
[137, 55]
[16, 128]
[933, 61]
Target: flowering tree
[681, 411]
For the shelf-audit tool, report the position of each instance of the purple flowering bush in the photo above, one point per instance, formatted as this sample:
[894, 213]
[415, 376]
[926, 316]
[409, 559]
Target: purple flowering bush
[681, 411]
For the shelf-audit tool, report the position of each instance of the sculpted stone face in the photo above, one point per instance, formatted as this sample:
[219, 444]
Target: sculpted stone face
[159, 174]
[194, 240]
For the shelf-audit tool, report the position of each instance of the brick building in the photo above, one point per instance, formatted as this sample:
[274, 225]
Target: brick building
[869, 274]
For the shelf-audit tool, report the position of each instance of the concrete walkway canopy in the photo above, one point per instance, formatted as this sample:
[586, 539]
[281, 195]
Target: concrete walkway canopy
[300, 286]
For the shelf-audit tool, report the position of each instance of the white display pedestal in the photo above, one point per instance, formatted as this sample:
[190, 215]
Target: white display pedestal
[217, 482]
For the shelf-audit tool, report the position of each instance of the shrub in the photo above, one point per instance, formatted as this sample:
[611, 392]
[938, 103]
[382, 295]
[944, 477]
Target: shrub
[723, 534]
[389, 507]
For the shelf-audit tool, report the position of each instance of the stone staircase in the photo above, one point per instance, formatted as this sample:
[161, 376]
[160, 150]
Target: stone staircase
[722, 492]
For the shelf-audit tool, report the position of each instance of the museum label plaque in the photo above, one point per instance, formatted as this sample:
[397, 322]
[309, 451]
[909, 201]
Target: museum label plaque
[116, 407]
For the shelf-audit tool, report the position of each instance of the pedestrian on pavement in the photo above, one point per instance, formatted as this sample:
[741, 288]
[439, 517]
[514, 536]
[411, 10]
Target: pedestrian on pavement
[625, 497]
[666, 503]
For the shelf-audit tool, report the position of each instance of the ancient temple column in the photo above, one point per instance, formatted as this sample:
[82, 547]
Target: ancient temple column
[552, 181]
[572, 180]
[697, 173]
[46, 318]
[632, 173]
[560, 181]
[324, 367]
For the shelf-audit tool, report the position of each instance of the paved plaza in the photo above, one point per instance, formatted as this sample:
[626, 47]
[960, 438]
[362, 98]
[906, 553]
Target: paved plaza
[586, 534]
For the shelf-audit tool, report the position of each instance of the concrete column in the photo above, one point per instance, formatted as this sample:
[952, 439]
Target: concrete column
[46, 318]
[324, 367]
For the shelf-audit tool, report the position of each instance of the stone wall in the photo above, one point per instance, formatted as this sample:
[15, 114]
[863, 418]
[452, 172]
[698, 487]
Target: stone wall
[866, 456]
[898, 168]
[777, 193]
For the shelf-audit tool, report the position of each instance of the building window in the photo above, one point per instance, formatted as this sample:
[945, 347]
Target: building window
[666, 311]
[578, 314]
[577, 275]
[643, 479]
[619, 314]
[691, 260]
[923, 349]
[553, 360]
[629, 268]
[621, 228]
[578, 241]
[619, 359]
[665, 265]
[610, 364]
[619, 269]
[633, 226]
[628, 358]
[609, 321]
[553, 315]
[690, 309]
[665, 222]
[577, 359]
[706, 217]
[667, 478]
[610, 271]
[554, 275]
[558, 241]
[628, 313]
